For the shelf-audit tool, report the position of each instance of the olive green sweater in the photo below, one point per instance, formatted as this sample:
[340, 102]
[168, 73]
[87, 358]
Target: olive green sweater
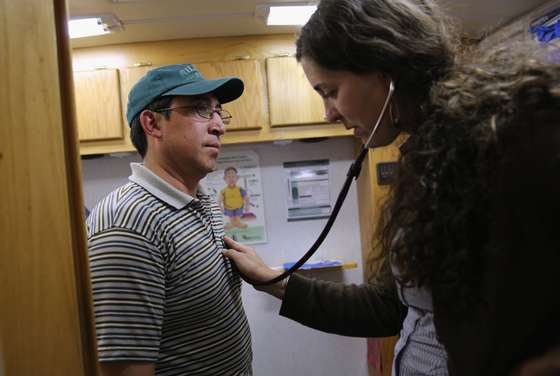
[349, 310]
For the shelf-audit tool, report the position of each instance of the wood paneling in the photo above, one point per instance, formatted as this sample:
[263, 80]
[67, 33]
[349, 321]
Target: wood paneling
[98, 105]
[41, 318]
[292, 99]
[249, 111]
[193, 51]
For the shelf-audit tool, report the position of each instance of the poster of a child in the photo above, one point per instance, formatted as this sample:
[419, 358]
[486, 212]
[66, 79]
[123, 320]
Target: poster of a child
[233, 199]
[236, 186]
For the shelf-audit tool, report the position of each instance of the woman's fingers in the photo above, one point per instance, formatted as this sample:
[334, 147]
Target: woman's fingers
[247, 261]
[230, 253]
[230, 243]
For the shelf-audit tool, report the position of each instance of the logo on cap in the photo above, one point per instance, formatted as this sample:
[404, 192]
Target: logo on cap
[189, 73]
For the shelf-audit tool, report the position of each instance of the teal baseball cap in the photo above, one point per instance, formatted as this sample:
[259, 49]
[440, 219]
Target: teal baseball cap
[179, 79]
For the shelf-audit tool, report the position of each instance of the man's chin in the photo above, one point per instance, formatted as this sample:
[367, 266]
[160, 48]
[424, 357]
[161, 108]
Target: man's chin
[212, 164]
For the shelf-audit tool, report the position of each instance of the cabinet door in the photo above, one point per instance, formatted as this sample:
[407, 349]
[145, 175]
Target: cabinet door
[249, 111]
[292, 100]
[98, 105]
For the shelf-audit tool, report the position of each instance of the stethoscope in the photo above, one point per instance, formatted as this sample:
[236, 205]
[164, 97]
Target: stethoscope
[353, 173]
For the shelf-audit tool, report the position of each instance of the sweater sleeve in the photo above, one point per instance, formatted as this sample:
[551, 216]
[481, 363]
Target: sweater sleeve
[350, 310]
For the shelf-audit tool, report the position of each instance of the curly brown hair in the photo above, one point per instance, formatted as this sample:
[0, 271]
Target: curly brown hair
[478, 178]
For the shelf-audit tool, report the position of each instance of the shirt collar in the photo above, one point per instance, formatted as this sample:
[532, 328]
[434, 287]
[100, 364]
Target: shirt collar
[161, 189]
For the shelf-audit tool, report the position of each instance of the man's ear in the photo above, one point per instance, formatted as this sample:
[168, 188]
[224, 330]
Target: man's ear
[150, 124]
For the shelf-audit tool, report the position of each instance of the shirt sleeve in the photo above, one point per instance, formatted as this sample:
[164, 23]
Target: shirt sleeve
[350, 310]
[128, 285]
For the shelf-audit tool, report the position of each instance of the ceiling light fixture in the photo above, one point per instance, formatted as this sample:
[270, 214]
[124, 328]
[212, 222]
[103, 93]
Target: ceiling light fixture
[95, 25]
[287, 14]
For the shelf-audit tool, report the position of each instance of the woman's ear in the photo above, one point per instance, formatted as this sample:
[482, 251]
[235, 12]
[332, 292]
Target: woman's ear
[150, 124]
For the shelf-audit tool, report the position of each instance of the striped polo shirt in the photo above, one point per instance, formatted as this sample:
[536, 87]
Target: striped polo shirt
[162, 290]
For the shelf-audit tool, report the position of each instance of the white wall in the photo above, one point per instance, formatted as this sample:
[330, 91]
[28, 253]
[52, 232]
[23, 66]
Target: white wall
[281, 346]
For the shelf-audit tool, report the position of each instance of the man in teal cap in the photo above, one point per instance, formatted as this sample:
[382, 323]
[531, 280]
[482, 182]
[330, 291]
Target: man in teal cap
[167, 302]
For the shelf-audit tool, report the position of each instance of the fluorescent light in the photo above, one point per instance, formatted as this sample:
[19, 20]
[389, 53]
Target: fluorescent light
[290, 15]
[91, 26]
[86, 27]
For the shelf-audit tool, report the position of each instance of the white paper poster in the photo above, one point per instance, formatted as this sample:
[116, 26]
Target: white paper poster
[308, 192]
[236, 186]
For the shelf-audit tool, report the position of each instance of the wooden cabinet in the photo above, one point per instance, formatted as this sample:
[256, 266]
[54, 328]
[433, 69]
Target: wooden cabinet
[102, 95]
[292, 100]
[98, 105]
[249, 111]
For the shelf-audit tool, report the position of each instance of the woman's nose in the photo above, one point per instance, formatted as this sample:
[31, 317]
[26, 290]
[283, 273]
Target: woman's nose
[331, 113]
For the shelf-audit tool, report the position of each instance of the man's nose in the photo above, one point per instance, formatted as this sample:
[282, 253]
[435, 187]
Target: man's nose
[217, 124]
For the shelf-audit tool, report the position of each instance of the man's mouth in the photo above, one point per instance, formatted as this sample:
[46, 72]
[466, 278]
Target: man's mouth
[215, 145]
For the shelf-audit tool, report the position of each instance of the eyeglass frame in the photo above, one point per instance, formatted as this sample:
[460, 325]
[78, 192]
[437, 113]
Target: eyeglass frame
[225, 115]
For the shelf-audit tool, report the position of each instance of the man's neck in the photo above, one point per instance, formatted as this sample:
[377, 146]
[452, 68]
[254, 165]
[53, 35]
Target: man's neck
[177, 180]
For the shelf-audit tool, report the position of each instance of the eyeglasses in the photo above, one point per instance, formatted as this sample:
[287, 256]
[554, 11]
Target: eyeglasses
[203, 111]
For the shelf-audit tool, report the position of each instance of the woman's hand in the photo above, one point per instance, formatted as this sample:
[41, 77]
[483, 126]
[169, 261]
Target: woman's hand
[248, 262]
[251, 265]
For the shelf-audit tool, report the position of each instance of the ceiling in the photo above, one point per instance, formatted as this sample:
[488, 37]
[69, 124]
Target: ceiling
[149, 20]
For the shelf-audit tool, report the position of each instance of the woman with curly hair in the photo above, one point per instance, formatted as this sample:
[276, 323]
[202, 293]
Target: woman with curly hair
[469, 232]
[353, 53]
[472, 210]
[475, 212]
